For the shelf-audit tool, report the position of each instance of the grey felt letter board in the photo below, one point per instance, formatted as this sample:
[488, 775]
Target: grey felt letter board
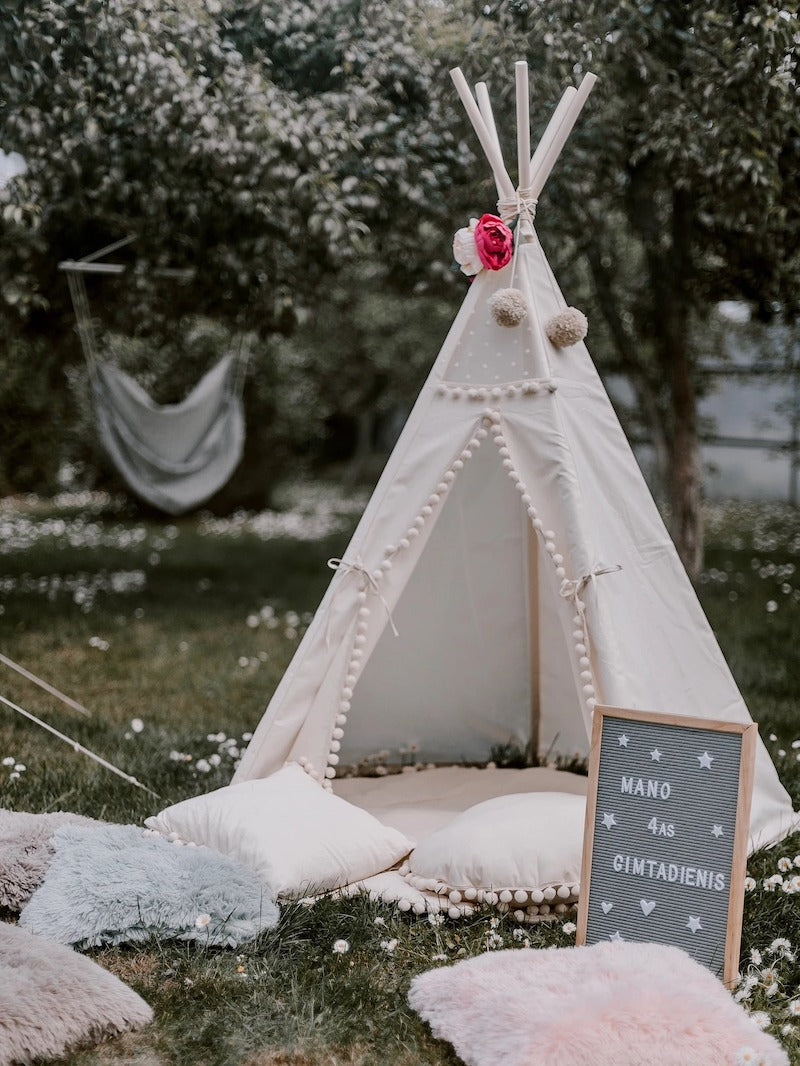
[667, 822]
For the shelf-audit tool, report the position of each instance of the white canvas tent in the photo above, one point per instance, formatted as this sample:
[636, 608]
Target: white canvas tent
[511, 569]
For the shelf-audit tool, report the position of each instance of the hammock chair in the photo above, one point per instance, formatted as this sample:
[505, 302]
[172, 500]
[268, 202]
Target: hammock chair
[174, 456]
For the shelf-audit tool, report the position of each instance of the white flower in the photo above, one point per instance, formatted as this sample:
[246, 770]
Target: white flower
[436, 919]
[137, 725]
[762, 1020]
[215, 759]
[340, 947]
[781, 944]
[20, 767]
[493, 941]
[12, 165]
[784, 864]
[202, 920]
[438, 958]
[465, 251]
[749, 884]
[569, 928]
[794, 1007]
[13, 776]
[389, 946]
[747, 1056]
[755, 956]
[379, 921]
[9, 760]
[203, 765]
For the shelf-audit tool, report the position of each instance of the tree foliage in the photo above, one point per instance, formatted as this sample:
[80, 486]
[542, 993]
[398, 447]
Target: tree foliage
[200, 128]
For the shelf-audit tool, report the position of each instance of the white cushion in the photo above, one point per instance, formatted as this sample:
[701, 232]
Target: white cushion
[521, 851]
[297, 837]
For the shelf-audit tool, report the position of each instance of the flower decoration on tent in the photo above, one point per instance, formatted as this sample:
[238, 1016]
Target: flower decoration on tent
[494, 241]
[465, 251]
[486, 242]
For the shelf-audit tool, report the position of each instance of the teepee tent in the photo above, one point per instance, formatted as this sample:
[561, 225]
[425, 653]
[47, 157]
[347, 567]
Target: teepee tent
[511, 570]
[174, 456]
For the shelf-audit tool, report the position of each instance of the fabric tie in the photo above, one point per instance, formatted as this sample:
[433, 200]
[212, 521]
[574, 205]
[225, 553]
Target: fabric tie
[522, 204]
[523, 208]
[356, 566]
[571, 590]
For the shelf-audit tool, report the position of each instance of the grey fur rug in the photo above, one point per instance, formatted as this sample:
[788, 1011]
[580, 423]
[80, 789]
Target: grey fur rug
[108, 884]
[53, 1000]
[26, 851]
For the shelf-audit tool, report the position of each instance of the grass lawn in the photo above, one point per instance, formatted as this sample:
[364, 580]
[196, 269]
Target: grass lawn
[174, 633]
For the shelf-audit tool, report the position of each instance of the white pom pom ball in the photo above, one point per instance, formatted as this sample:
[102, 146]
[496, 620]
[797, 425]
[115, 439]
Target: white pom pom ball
[508, 307]
[566, 328]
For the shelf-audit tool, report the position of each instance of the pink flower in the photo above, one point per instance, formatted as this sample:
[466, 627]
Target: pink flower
[494, 242]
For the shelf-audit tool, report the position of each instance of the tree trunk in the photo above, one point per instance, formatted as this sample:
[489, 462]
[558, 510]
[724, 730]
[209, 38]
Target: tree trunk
[686, 474]
[365, 431]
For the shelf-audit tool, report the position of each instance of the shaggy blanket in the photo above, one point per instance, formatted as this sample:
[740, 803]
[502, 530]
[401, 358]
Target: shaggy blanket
[108, 884]
[53, 1000]
[620, 1004]
[26, 851]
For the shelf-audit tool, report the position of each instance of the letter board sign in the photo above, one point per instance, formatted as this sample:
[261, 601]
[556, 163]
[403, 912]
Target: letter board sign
[667, 824]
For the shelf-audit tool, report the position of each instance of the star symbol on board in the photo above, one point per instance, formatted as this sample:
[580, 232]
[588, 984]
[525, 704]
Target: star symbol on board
[622, 740]
[693, 924]
[609, 820]
[655, 755]
[717, 831]
[616, 937]
[705, 760]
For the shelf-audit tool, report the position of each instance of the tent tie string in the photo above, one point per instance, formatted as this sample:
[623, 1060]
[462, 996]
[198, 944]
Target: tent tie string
[368, 581]
[572, 590]
[522, 203]
[521, 206]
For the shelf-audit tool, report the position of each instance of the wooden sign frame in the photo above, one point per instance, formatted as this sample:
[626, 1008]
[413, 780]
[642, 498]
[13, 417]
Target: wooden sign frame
[749, 733]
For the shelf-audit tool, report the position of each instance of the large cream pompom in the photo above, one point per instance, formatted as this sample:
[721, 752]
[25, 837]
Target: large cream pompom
[508, 307]
[567, 328]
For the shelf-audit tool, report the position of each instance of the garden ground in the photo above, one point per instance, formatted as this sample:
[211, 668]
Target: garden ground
[175, 634]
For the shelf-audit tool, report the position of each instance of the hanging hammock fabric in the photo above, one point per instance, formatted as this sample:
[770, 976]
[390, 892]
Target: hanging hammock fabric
[174, 456]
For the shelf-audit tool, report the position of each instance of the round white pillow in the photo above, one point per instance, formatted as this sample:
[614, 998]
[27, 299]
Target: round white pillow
[521, 852]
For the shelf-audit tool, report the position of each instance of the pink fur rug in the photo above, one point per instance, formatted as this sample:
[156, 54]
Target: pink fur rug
[605, 1005]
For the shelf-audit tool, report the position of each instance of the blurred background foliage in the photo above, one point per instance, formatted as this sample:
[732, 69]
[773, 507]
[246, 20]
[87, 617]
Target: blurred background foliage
[310, 162]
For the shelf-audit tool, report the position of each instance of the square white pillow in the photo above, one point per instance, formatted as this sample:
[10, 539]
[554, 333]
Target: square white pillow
[522, 852]
[299, 838]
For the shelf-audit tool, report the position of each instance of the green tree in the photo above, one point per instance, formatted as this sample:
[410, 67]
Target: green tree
[679, 188]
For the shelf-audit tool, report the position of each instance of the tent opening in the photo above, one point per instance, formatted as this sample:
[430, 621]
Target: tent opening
[481, 662]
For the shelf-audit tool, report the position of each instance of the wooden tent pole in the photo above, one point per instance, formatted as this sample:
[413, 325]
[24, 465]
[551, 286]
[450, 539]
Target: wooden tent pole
[534, 641]
[485, 108]
[552, 128]
[560, 139]
[495, 160]
[523, 127]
